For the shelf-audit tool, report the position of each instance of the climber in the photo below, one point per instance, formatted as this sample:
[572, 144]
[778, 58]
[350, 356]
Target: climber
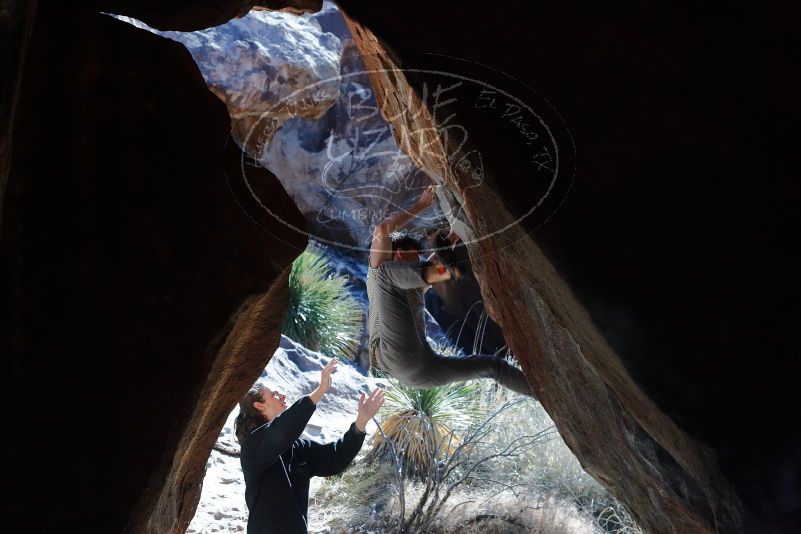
[396, 279]
[277, 464]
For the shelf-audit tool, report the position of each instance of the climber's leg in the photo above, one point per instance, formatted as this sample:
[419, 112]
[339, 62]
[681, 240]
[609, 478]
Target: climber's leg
[445, 370]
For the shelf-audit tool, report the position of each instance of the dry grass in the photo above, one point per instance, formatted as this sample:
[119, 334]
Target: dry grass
[471, 512]
[354, 499]
[488, 512]
[542, 490]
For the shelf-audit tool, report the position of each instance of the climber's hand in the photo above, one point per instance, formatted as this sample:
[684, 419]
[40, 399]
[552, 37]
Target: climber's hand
[427, 198]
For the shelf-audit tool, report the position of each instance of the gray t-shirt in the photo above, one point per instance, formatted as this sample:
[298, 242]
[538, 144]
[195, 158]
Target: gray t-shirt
[416, 304]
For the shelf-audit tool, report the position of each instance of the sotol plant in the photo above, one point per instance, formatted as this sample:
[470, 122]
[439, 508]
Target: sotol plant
[419, 423]
[322, 315]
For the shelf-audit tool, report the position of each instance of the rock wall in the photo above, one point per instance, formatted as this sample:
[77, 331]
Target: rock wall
[609, 308]
[256, 64]
[301, 104]
[16, 21]
[128, 242]
[669, 261]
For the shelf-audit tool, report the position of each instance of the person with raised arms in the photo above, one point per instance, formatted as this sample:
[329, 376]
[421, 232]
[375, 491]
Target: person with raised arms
[278, 464]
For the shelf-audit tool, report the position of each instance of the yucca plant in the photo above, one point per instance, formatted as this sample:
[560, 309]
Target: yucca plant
[322, 314]
[419, 423]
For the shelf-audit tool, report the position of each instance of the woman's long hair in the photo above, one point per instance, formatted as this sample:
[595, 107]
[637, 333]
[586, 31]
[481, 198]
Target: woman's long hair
[249, 418]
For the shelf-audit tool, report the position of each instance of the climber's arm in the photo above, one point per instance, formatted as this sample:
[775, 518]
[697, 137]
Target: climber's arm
[381, 247]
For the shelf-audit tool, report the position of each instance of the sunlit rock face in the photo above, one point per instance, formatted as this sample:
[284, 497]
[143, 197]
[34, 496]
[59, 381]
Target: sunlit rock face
[344, 169]
[336, 156]
[301, 103]
[259, 63]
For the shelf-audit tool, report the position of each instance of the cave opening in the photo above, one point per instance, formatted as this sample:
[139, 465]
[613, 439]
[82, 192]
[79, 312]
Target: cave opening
[147, 245]
[302, 105]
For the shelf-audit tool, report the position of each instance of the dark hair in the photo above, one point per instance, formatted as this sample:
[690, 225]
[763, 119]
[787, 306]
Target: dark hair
[249, 418]
[405, 241]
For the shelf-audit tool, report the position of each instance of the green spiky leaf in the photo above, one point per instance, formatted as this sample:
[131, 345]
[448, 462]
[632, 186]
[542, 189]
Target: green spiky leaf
[322, 314]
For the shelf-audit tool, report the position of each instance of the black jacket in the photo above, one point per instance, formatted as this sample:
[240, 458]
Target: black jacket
[277, 468]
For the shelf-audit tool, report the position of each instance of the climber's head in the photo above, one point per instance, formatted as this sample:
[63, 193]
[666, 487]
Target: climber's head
[260, 405]
[405, 247]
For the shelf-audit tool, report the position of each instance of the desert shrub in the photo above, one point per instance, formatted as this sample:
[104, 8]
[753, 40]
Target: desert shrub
[490, 512]
[419, 423]
[355, 498]
[614, 519]
[442, 346]
[322, 314]
[464, 459]
[507, 457]
[470, 458]
[552, 473]
[552, 468]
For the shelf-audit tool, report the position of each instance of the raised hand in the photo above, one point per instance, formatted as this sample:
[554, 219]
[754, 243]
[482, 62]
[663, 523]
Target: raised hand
[325, 380]
[427, 198]
[368, 407]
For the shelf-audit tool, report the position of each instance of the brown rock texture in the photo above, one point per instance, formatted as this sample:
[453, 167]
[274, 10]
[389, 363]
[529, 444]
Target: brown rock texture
[129, 241]
[254, 335]
[654, 313]
[571, 351]
[16, 21]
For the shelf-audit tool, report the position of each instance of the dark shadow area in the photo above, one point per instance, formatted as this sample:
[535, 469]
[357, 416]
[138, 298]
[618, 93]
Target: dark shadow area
[678, 232]
[124, 253]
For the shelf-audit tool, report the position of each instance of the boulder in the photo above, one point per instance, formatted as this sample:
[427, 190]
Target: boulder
[301, 104]
[636, 294]
[128, 243]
